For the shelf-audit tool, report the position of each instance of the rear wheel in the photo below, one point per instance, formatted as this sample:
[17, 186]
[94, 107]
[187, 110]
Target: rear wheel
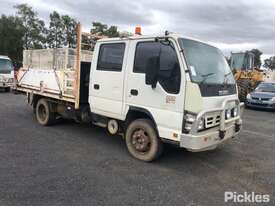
[142, 140]
[44, 113]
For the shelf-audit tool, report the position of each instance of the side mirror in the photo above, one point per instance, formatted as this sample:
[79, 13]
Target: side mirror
[151, 74]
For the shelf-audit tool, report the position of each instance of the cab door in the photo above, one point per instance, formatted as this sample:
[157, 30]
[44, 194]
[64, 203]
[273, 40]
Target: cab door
[165, 102]
[107, 79]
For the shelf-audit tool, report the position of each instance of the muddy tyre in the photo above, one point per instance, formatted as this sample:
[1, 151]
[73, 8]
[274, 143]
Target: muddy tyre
[142, 140]
[44, 113]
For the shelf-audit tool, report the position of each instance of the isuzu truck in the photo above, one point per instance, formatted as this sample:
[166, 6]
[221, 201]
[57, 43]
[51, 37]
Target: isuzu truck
[150, 89]
[6, 73]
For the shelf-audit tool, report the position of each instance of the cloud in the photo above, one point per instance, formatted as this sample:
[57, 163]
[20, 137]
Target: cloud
[230, 25]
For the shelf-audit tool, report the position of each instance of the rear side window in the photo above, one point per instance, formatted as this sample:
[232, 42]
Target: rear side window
[111, 57]
[169, 74]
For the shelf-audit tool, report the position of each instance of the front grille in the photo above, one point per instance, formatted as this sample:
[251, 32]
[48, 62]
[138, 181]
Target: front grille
[262, 99]
[262, 105]
[212, 120]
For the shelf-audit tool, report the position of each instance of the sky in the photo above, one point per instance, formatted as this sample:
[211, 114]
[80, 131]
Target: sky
[234, 25]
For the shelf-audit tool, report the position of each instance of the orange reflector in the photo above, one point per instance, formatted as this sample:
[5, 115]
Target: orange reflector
[138, 30]
[175, 135]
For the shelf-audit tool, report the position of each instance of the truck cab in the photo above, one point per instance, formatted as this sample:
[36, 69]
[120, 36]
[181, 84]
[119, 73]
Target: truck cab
[150, 89]
[184, 87]
[6, 73]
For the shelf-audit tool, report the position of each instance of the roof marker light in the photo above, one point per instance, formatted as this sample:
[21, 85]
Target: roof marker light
[138, 30]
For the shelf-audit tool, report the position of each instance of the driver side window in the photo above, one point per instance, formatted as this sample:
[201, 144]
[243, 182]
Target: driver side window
[169, 74]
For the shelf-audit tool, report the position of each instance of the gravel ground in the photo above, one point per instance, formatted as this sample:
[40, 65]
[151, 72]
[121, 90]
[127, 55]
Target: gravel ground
[78, 164]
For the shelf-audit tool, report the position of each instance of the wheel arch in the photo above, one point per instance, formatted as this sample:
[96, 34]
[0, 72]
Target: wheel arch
[33, 99]
[138, 113]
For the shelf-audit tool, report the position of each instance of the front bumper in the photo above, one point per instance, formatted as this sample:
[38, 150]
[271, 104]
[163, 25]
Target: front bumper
[6, 84]
[260, 105]
[209, 139]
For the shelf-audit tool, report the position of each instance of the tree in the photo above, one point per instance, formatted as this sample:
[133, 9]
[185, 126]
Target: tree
[88, 43]
[102, 29]
[55, 37]
[270, 63]
[11, 37]
[99, 28]
[257, 59]
[62, 31]
[69, 25]
[34, 28]
[112, 32]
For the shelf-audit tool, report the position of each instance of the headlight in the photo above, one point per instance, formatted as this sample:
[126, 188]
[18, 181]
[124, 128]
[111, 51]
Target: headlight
[273, 99]
[190, 119]
[248, 96]
[2, 79]
[10, 80]
[235, 112]
[201, 125]
[228, 113]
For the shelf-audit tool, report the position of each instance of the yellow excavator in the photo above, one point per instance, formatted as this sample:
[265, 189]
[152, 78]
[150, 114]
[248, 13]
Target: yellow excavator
[246, 74]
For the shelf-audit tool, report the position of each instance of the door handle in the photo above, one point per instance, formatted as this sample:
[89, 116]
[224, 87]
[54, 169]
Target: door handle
[96, 86]
[134, 92]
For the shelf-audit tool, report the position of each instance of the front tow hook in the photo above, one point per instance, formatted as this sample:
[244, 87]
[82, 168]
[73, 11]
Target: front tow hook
[237, 127]
[222, 134]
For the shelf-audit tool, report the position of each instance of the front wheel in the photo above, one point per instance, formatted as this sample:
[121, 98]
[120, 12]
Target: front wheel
[43, 112]
[142, 140]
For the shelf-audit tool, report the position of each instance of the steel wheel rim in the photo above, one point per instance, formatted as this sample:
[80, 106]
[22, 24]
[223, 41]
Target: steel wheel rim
[140, 141]
[42, 112]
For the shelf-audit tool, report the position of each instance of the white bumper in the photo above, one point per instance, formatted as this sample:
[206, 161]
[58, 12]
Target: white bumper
[209, 139]
[6, 85]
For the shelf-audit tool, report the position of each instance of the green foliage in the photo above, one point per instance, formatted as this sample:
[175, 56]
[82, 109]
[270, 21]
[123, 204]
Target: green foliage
[270, 63]
[99, 28]
[27, 31]
[102, 29]
[34, 28]
[55, 36]
[11, 37]
[257, 59]
[112, 32]
[69, 25]
[62, 31]
[87, 43]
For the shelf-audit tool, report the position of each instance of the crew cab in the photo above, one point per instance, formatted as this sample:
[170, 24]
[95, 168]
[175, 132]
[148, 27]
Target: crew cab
[150, 89]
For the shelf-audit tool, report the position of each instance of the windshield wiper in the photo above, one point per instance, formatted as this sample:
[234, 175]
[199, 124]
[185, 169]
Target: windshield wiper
[205, 77]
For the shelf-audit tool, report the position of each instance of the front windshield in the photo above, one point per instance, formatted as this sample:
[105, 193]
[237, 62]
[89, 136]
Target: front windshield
[206, 63]
[5, 66]
[266, 87]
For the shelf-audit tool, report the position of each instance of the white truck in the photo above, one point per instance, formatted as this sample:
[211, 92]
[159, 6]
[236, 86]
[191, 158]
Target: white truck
[6, 73]
[150, 89]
